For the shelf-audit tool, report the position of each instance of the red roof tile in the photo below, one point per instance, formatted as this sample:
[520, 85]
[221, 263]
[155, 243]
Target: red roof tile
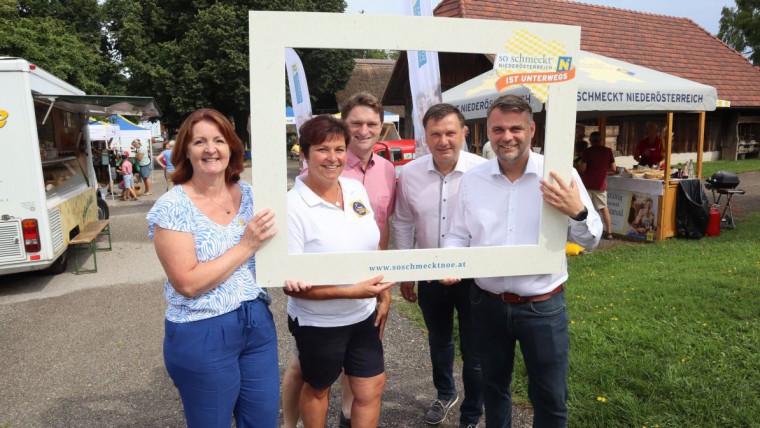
[669, 44]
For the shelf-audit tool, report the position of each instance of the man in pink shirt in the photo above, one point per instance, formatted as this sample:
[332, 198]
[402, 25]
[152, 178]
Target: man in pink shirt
[364, 114]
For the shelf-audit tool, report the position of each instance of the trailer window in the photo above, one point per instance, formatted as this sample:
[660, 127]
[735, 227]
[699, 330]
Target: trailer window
[396, 155]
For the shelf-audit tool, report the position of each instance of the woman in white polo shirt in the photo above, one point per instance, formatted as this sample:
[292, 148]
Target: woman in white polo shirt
[334, 325]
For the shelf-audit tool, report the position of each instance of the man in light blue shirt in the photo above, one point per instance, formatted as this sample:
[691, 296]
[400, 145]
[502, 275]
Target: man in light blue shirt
[426, 189]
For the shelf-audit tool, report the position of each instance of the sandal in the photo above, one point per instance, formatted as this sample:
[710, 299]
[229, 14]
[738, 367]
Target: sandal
[608, 236]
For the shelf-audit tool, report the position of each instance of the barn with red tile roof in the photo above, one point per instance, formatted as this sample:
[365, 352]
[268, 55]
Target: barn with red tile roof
[672, 45]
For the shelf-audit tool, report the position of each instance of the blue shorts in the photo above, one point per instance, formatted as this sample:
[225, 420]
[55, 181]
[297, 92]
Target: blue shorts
[129, 181]
[145, 170]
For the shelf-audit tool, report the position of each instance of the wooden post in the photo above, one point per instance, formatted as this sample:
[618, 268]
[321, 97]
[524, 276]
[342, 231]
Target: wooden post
[602, 123]
[666, 195]
[668, 149]
[701, 143]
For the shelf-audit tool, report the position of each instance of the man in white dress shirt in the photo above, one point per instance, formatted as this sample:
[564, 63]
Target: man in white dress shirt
[426, 188]
[499, 204]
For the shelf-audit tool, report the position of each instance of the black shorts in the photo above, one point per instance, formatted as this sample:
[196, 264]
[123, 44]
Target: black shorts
[324, 351]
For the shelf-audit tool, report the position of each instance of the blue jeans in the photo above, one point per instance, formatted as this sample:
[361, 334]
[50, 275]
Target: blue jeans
[226, 365]
[541, 329]
[437, 303]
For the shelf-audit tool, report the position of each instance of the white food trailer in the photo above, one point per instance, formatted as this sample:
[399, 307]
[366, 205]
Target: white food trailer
[47, 180]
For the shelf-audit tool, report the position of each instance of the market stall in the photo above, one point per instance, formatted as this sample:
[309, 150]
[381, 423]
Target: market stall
[609, 87]
[128, 132]
[103, 153]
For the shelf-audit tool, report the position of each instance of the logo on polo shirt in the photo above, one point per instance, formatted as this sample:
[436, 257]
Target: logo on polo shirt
[360, 209]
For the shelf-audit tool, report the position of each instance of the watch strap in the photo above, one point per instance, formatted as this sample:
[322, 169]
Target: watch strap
[581, 215]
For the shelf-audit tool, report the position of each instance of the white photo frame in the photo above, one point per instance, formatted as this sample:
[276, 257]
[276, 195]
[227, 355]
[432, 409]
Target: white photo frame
[271, 32]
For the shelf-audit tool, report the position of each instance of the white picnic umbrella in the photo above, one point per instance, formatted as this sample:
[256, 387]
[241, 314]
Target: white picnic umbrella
[604, 84]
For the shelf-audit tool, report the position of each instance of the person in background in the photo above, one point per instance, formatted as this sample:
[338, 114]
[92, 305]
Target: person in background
[145, 163]
[648, 151]
[364, 114]
[465, 134]
[578, 149]
[499, 204]
[220, 341]
[336, 327]
[597, 162]
[125, 169]
[426, 187]
[488, 151]
[295, 151]
[113, 155]
[165, 160]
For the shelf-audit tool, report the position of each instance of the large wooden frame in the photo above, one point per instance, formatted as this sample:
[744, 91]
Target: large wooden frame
[272, 32]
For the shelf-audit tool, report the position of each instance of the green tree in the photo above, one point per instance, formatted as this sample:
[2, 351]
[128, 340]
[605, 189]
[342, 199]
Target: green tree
[64, 38]
[378, 54]
[195, 54]
[81, 17]
[740, 28]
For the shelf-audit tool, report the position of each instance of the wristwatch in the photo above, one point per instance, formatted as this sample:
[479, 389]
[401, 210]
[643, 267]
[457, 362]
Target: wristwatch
[581, 215]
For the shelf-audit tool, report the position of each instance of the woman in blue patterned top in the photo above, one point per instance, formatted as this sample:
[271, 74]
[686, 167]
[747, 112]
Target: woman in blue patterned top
[220, 343]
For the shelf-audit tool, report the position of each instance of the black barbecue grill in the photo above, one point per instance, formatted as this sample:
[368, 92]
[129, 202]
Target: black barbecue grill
[724, 183]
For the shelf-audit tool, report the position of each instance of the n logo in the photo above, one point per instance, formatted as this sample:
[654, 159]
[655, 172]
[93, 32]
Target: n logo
[564, 62]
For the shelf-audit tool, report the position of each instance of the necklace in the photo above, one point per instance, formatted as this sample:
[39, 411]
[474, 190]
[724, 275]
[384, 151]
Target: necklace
[339, 192]
[227, 211]
[340, 195]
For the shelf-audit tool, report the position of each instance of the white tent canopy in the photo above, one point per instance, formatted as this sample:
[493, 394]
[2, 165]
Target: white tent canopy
[604, 84]
[390, 117]
[122, 131]
[101, 131]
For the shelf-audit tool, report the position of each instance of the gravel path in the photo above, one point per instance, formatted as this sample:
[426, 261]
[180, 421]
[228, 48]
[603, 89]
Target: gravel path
[86, 351]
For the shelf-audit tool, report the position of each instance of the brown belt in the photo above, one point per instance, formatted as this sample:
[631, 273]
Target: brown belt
[514, 298]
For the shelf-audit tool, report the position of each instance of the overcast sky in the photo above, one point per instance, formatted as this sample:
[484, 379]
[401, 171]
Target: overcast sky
[704, 12]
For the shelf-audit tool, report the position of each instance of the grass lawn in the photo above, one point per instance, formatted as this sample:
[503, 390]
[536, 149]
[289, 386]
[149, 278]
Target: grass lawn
[664, 334]
[667, 334]
[709, 168]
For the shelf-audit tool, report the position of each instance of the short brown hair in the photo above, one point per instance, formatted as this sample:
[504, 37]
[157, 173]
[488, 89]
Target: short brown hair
[595, 138]
[441, 110]
[362, 99]
[183, 169]
[319, 129]
[514, 103]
